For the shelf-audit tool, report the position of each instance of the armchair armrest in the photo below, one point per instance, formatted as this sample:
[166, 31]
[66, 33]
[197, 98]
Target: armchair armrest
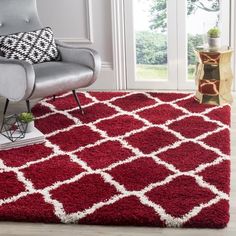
[83, 56]
[17, 79]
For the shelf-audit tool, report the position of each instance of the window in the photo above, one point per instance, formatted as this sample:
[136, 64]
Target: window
[161, 38]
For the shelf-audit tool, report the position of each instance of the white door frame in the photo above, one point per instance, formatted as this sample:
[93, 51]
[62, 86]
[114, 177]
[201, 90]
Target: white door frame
[119, 46]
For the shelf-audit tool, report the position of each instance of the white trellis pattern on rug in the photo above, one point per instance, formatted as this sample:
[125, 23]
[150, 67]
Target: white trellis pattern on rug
[168, 219]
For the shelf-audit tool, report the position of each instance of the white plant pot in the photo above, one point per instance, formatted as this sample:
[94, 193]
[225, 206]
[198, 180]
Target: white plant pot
[214, 44]
[30, 127]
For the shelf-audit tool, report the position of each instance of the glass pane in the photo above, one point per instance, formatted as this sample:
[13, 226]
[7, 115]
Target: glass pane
[202, 15]
[150, 25]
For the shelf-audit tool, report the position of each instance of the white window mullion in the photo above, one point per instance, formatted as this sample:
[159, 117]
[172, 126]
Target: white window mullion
[130, 43]
[172, 44]
[225, 21]
[182, 45]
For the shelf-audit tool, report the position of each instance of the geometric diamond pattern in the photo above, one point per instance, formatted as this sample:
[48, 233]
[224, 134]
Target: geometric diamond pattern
[120, 125]
[96, 158]
[174, 196]
[184, 161]
[83, 194]
[59, 168]
[134, 158]
[192, 127]
[159, 115]
[117, 211]
[129, 174]
[33, 47]
[159, 139]
[11, 185]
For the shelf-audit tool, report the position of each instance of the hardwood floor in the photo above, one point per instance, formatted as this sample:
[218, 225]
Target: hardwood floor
[28, 229]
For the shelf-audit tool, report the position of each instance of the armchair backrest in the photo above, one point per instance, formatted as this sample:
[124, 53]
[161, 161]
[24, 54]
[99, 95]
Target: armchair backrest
[18, 16]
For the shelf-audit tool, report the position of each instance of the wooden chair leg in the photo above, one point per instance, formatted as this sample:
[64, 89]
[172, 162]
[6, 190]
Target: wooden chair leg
[78, 102]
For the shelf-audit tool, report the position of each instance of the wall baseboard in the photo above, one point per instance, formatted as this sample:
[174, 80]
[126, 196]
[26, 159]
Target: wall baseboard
[106, 80]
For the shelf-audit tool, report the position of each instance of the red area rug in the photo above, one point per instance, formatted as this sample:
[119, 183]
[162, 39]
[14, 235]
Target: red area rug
[147, 159]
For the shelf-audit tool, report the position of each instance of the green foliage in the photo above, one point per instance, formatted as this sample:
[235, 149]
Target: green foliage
[159, 11]
[194, 41]
[26, 117]
[151, 48]
[214, 32]
[159, 15]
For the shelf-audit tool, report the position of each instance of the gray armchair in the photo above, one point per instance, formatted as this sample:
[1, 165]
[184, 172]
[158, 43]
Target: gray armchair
[21, 81]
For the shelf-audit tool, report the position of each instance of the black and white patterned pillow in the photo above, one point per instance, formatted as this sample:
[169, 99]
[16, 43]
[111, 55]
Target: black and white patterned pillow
[34, 47]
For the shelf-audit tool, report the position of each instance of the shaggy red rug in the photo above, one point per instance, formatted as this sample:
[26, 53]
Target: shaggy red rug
[147, 159]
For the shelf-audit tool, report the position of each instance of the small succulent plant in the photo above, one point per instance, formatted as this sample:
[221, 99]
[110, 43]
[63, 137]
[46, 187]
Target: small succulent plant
[214, 32]
[26, 117]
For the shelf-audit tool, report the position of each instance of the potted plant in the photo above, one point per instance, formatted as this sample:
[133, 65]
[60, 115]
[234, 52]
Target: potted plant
[28, 120]
[214, 39]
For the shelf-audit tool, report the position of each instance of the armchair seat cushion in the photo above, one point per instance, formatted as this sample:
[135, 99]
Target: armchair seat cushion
[59, 77]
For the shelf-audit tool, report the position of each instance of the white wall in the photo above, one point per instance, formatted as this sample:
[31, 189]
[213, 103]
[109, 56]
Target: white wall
[86, 23]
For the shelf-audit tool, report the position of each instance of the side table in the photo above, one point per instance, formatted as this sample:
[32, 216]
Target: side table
[214, 77]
